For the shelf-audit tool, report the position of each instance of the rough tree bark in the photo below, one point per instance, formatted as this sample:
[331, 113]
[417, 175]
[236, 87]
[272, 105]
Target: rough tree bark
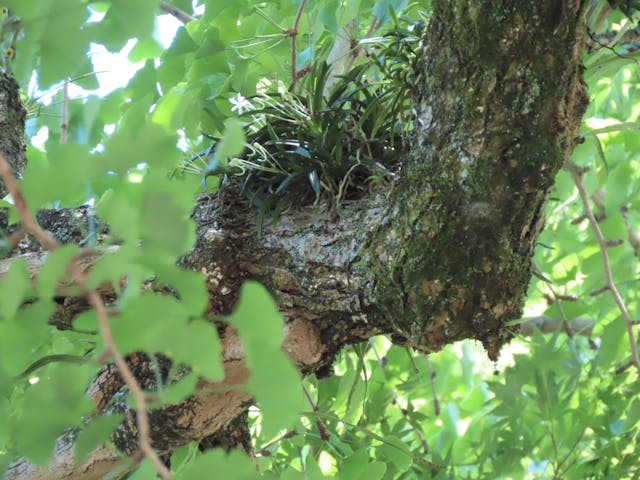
[443, 256]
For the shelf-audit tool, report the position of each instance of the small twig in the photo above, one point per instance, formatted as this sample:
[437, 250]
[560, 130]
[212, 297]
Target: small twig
[181, 15]
[322, 428]
[415, 368]
[304, 71]
[598, 216]
[570, 452]
[394, 397]
[293, 33]
[355, 50]
[545, 324]
[616, 242]
[64, 119]
[47, 359]
[417, 458]
[559, 297]
[616, 127]
[343, 182]
[577, 174]
[80, 278]
[264, 450]
[599, 291]
[624, 367]
[432, 376]
[566, 326]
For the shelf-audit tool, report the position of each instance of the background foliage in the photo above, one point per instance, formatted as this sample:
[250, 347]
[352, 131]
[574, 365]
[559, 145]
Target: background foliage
[554, 406]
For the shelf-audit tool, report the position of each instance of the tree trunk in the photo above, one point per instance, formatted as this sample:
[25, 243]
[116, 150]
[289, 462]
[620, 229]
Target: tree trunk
[442, 256]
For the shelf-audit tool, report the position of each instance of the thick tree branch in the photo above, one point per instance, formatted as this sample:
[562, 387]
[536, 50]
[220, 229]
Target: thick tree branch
[446, 255]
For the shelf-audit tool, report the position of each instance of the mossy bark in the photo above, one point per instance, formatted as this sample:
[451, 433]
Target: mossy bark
[12, 145]
[498, 105]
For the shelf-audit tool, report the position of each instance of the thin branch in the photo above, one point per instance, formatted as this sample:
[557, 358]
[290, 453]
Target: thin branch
[355, 50]
[64, 120]
[181, 15]
[617, 127]
[557, 297]
[264, 450]
[293, 33]
[434, 393]
[322, 428]
[80, 278]
[624, 367]
[545, 324]
[394, 397]
[566, 326]
[576, 174]
[599, 291]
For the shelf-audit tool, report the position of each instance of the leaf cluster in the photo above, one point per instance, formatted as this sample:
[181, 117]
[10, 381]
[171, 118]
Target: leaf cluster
[327, 141]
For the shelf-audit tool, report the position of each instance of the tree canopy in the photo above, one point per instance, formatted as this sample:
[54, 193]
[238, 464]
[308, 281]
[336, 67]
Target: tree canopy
[339, 239]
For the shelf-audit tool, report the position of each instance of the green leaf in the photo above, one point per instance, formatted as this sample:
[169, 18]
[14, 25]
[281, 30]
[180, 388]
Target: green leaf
[175, 108]
[633, 416]
[63, 42]
[618, 185]
[234, 465]
[178, 391]
[69, 169]
[144, 83]
[160, 317]
[96, 433]
[199, 347]
[121, 210]
[182, 44]
[232, 142]
[374, 471]
[395, 451]
[355, 404]
[15, 288]
[54, 270]
[148, 143]
[315, 182]
[614, 337]
[5, 412]
[211, 44]
[164, 203]
[145, 471]
[145, 48]
[62, 392]
[112, 268]
[261, 328]
[383, 7]
[126, 20]
[23, 335]
[168, 330]
[327, 15]
[353, 465]
[190, 285]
